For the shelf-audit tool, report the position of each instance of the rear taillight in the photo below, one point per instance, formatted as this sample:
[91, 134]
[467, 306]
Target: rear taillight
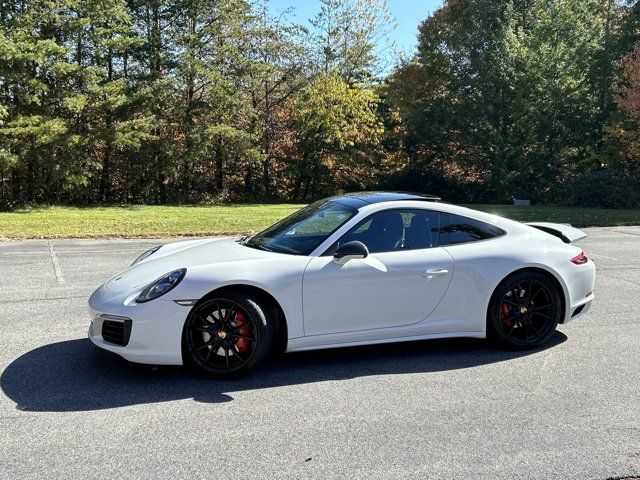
[580, 259]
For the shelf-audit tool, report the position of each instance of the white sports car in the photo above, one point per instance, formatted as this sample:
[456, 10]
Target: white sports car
[355, 269]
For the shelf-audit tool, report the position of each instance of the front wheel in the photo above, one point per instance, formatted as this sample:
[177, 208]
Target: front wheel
[226, 336]
[525, 310]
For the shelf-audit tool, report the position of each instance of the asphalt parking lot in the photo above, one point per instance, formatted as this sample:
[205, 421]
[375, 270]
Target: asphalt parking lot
[435, 409]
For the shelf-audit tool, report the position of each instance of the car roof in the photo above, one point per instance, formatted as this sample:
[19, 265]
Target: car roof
[360, 199]
[487, 217]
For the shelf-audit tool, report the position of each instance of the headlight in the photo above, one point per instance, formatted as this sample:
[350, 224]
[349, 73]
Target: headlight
[161, 286]
[146, 254]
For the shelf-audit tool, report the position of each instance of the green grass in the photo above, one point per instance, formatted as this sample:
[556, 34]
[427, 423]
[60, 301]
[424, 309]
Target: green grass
[166, 221]
[140, 221]
[578, 217]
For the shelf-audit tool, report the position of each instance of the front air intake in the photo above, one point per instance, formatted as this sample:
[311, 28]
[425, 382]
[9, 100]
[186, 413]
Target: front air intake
[116, 331]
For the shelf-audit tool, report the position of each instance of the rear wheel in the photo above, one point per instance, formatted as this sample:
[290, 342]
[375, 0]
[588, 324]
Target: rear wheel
[226, 336]
[525, 310]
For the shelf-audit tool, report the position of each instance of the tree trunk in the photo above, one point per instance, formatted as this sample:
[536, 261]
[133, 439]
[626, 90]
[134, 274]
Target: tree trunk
[305, 191]
[266, 181]
[313, 180]
[30, 178]
[155, 41]
[301, 176]
[189, 121]
[248, 179]
[105, 181]
[105, 190]
[219, 165]
[295, 195]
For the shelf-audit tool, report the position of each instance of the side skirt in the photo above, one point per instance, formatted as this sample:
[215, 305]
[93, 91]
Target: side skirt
[315, 343]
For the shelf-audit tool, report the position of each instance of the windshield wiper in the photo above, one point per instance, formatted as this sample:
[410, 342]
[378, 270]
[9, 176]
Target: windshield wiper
[258, 247]
[279, 249]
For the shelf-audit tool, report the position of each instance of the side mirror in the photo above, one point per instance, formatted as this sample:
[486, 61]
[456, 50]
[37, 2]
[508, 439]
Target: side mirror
[350, 251]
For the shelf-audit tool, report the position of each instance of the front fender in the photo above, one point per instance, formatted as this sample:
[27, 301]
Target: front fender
[280, 279]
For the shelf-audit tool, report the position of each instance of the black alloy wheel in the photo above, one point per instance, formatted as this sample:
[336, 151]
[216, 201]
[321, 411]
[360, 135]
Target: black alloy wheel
[525, 310]
[226, 336]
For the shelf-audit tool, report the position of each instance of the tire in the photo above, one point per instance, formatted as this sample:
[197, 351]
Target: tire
[227, 335]
[524, 311]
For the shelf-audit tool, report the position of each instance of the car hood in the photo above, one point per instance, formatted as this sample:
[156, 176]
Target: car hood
[184, 255]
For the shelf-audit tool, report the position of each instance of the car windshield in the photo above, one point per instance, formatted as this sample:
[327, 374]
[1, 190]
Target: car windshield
[302, 232]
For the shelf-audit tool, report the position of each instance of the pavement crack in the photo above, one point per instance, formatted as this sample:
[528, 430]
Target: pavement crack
[624, 232]
[631, 477]
[41, 299]
[56, 265]
[543, 368]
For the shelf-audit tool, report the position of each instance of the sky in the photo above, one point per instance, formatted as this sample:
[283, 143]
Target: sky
[408, 15]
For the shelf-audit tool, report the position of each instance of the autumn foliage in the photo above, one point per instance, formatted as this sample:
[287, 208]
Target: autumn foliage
[212, 100]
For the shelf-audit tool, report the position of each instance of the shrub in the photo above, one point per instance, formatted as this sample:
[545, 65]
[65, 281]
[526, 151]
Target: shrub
[603, 189]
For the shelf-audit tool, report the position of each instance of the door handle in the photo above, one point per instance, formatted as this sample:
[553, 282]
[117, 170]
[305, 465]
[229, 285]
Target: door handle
[436, 272]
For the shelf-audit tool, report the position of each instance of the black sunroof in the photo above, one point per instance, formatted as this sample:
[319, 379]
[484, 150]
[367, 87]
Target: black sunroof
[360, 199]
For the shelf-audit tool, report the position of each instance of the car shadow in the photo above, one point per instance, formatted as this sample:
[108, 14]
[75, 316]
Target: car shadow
[73, 376]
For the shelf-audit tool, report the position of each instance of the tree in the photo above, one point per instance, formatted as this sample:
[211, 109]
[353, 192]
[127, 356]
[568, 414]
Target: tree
[508, 97]
[208, 40]
[184, 100]
[105, 112]
[275, 67]
[620, 163]
[628, 94]
[334, 123]
[346, 35]
[40, 94]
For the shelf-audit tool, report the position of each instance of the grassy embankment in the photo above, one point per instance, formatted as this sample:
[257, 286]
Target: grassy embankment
[167, 221]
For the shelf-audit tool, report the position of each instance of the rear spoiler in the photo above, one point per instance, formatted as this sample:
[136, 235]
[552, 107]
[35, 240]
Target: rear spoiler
[563, 231]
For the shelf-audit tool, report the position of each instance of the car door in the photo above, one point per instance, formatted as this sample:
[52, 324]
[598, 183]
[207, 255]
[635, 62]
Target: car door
[399, 283]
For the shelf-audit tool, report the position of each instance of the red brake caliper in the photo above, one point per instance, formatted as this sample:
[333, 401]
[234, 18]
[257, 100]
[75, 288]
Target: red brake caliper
[242, 343]
[504, 313]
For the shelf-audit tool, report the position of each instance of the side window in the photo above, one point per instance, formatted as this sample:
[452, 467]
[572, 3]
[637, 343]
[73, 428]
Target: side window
[457, 229]
[422, 229]
[392, 230]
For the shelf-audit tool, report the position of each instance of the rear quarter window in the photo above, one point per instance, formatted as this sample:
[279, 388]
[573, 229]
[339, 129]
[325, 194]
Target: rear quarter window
[457, 229]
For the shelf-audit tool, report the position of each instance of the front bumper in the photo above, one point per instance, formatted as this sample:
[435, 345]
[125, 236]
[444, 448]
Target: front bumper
[155, 327]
